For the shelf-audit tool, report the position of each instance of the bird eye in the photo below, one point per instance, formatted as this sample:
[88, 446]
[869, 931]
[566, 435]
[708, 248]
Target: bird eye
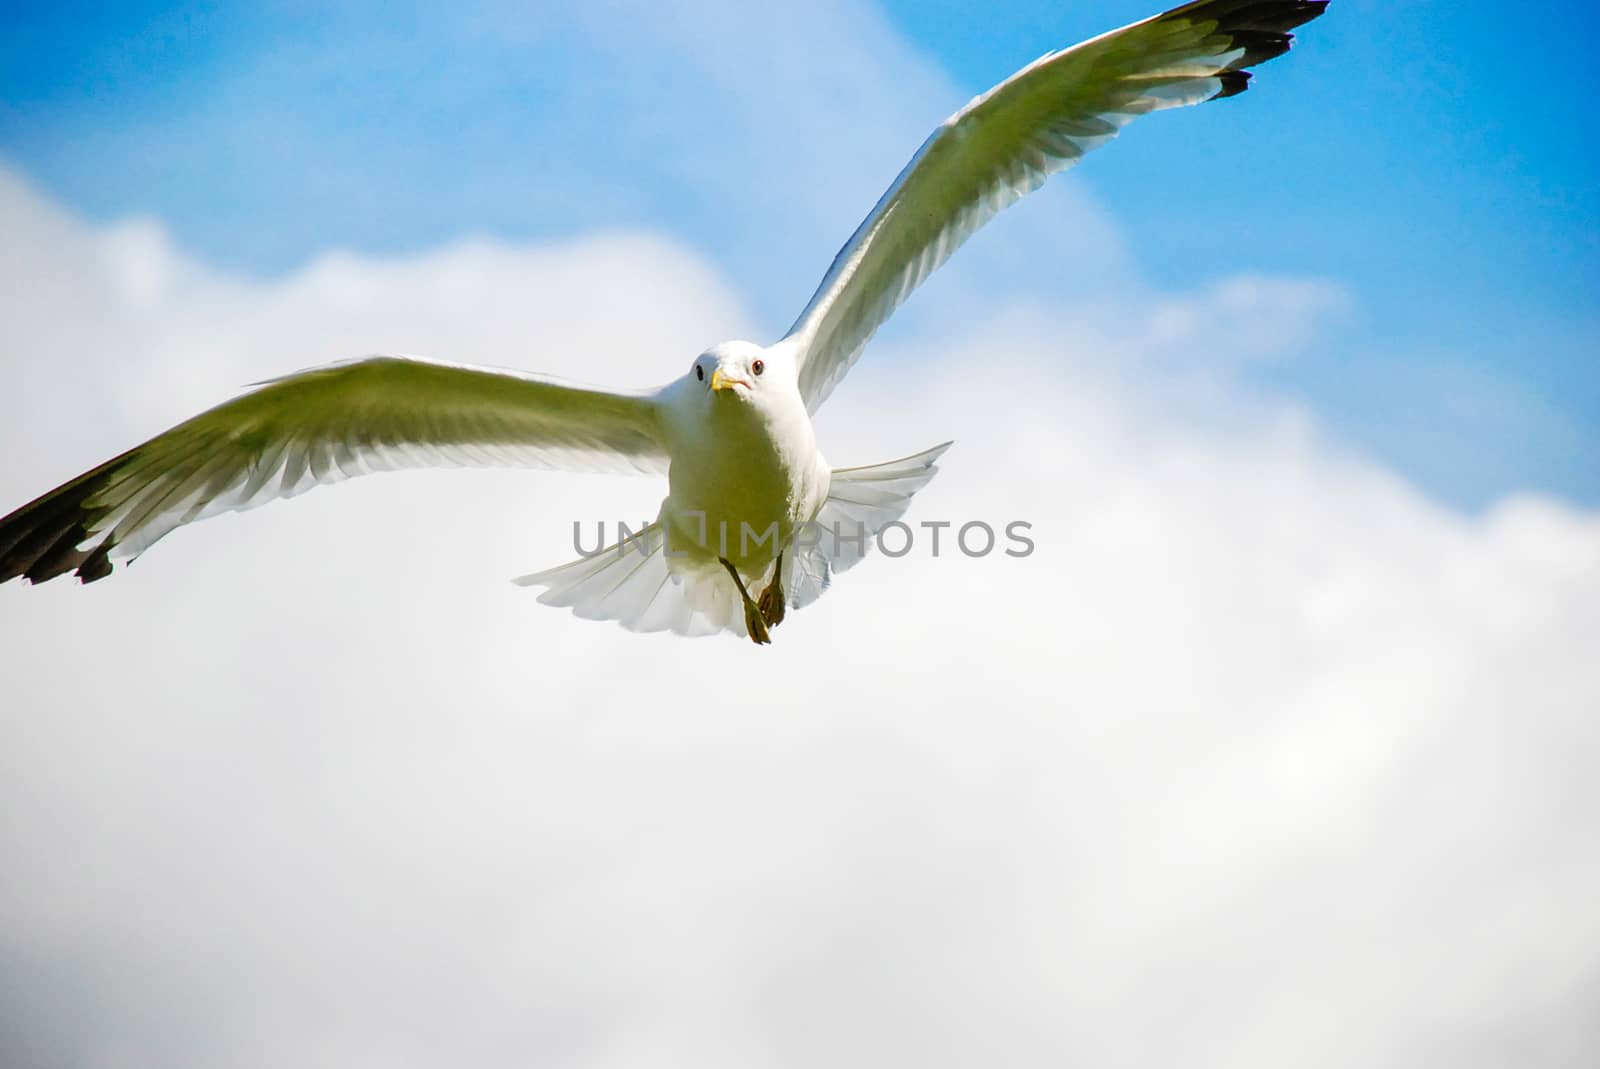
[758, 367]
[700, 372]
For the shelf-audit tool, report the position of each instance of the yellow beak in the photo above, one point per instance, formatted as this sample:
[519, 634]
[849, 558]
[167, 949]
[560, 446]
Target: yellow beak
[719, 381]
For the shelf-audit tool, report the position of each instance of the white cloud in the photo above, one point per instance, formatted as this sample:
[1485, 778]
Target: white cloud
[1260, 758]
[1245, 317]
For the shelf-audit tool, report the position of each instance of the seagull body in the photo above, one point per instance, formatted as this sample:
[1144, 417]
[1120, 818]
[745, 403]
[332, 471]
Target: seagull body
[750, 498]
[744, 454]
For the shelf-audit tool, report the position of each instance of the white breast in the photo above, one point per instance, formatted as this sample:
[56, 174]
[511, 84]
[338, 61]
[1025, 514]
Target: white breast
[743, 475]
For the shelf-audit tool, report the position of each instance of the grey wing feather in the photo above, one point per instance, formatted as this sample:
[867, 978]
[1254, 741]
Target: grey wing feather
[318, 427]
[1005, 143]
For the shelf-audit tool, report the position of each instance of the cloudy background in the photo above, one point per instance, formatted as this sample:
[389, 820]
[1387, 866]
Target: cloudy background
[1279, 749]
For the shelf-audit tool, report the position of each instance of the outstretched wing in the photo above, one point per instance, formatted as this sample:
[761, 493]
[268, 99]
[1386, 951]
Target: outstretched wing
[1006, 142]
[321, 426]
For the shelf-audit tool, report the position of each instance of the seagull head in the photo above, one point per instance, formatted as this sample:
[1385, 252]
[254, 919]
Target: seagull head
[735, 370]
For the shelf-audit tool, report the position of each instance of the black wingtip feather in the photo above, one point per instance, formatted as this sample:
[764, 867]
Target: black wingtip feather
[63, 555]
[96, 565]
[1260, 28]
[41, 540]
[1272, 16]
[1233, 83]
[1259, 46]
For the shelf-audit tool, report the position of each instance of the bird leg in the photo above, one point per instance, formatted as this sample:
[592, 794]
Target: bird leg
[771, 603]
[752, 616]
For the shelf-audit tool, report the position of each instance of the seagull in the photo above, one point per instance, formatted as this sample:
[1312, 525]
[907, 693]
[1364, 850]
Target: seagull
[751, 504]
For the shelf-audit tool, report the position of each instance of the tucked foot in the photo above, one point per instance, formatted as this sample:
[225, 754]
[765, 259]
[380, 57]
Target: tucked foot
[753, 622]
[772, 603]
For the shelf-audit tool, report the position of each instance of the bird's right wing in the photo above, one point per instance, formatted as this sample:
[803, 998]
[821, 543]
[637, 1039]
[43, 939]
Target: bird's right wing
[1005, 143]
[321, 426]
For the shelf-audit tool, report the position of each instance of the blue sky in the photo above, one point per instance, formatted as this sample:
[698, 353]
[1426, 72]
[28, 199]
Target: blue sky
[1434, 161]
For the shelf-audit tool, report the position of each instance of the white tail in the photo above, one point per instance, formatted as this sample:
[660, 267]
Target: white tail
[632, 584]
[860, 502]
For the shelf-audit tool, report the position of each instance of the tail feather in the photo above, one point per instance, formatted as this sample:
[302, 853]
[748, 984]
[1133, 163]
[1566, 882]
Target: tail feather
[632, 584]
[861, 502]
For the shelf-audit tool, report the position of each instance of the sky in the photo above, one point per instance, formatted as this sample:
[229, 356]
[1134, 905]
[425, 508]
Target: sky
[1278, 748]
[1414, 161]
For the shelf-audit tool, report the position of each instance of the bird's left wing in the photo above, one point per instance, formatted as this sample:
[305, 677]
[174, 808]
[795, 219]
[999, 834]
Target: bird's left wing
[1006, 142]
[321, 426]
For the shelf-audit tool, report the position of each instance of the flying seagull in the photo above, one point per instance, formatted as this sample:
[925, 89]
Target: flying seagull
[751, 504]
